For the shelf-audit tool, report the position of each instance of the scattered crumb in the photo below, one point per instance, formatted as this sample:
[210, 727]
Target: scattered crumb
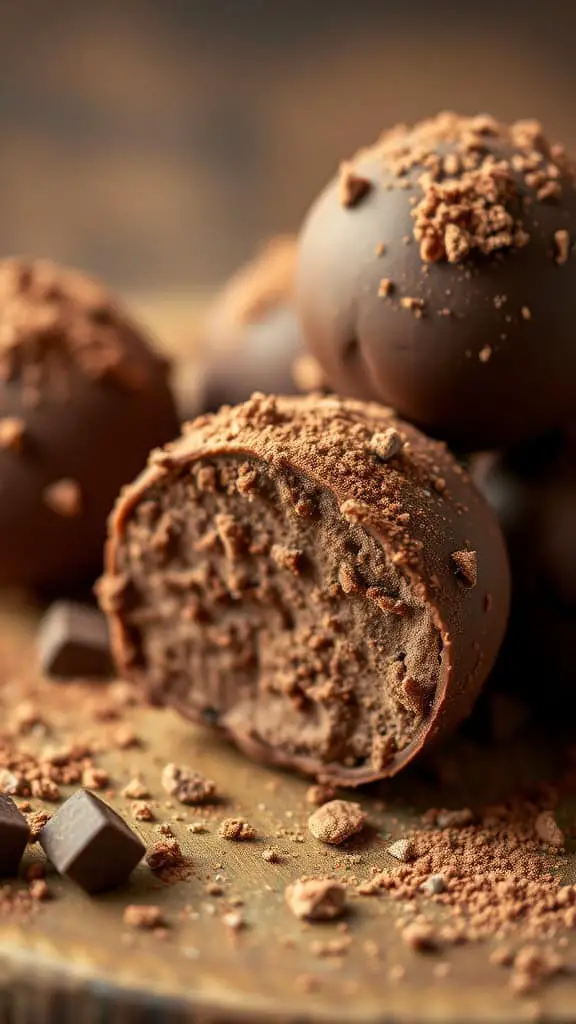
[270, 855]
[562, 246]
[186, 785]
[402, 849]
[12, 431]
[141, 811]
[320, 794]
[95, 778]
[39, 890]
[548, 830]
[145, 917]
[336, 821]
[135, 790]
[165, 853]
[352, 186]
[419, 936]
[64, 497]
[237, 829]
[316, 899]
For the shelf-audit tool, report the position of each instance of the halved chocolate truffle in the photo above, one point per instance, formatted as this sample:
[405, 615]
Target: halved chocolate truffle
[437, 274]
[312, 575]
[83, 398]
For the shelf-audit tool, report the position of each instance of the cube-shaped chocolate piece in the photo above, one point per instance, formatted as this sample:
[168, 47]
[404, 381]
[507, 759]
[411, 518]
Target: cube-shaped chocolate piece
[14, 834]
[73, 642]
[88, 842]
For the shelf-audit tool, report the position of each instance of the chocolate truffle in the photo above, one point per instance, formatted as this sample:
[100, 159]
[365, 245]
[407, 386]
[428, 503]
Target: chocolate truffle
[532, 489]
[83, 398]
[437, 274]
[312, 575]
[252, 338]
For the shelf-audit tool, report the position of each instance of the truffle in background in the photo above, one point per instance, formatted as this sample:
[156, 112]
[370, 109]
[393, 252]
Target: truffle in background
[437, 274]
[83, 399]
[532, 490]
[252, 339]
[314, 576]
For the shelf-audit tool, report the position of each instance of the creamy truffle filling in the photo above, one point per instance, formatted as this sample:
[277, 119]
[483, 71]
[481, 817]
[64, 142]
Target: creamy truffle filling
[249, 600]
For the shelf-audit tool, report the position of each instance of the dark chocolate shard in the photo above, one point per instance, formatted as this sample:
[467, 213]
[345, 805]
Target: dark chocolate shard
[92, 845]
[73, 642]
[14, 834]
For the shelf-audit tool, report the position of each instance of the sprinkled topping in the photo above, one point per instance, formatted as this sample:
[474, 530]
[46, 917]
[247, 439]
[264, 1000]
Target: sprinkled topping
[64, 497]
[466, 565]
[385, 287]
[353, 187]
[562, 246]
[386, 444]
[12, 430]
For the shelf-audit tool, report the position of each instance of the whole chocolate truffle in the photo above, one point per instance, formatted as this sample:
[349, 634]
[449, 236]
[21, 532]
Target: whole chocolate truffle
[83, 398]
[437, 274]
[252, 337]
[315, 577]
[532, 489]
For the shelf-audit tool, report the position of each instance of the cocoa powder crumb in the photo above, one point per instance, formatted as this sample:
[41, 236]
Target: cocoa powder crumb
[415, 305]
[144, 917]
[386, 444]
[39, 890]
[166, 853]
[336, 821]
[236, 829]
[547, 829]
[402, 849]
[466, 566]
[141, 811]
[135, 790]
[352, 186]
[125, 737]
[320, 794]
[36, 822]
[562, 246]
[316, 899]
[419, 936]
[64, 497]
[95, 778]
[385, 288]
[526, 313]
[12, 431]
[188, 786]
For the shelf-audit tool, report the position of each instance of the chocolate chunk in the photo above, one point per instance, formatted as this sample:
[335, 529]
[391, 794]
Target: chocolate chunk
[307, 668]
[491, 214]
[83, 399]
[73, 642]
[14, 834]
[89, 843]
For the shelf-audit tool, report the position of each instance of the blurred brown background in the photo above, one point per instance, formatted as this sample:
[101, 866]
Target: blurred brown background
[156, 142]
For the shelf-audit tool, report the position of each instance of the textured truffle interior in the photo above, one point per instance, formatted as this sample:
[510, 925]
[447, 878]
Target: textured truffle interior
[252, 602]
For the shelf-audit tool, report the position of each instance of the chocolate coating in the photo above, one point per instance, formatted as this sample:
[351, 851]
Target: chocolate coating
[532, 489]
[436, 274]
[252, 337]
[83, 398]
[314, 576]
